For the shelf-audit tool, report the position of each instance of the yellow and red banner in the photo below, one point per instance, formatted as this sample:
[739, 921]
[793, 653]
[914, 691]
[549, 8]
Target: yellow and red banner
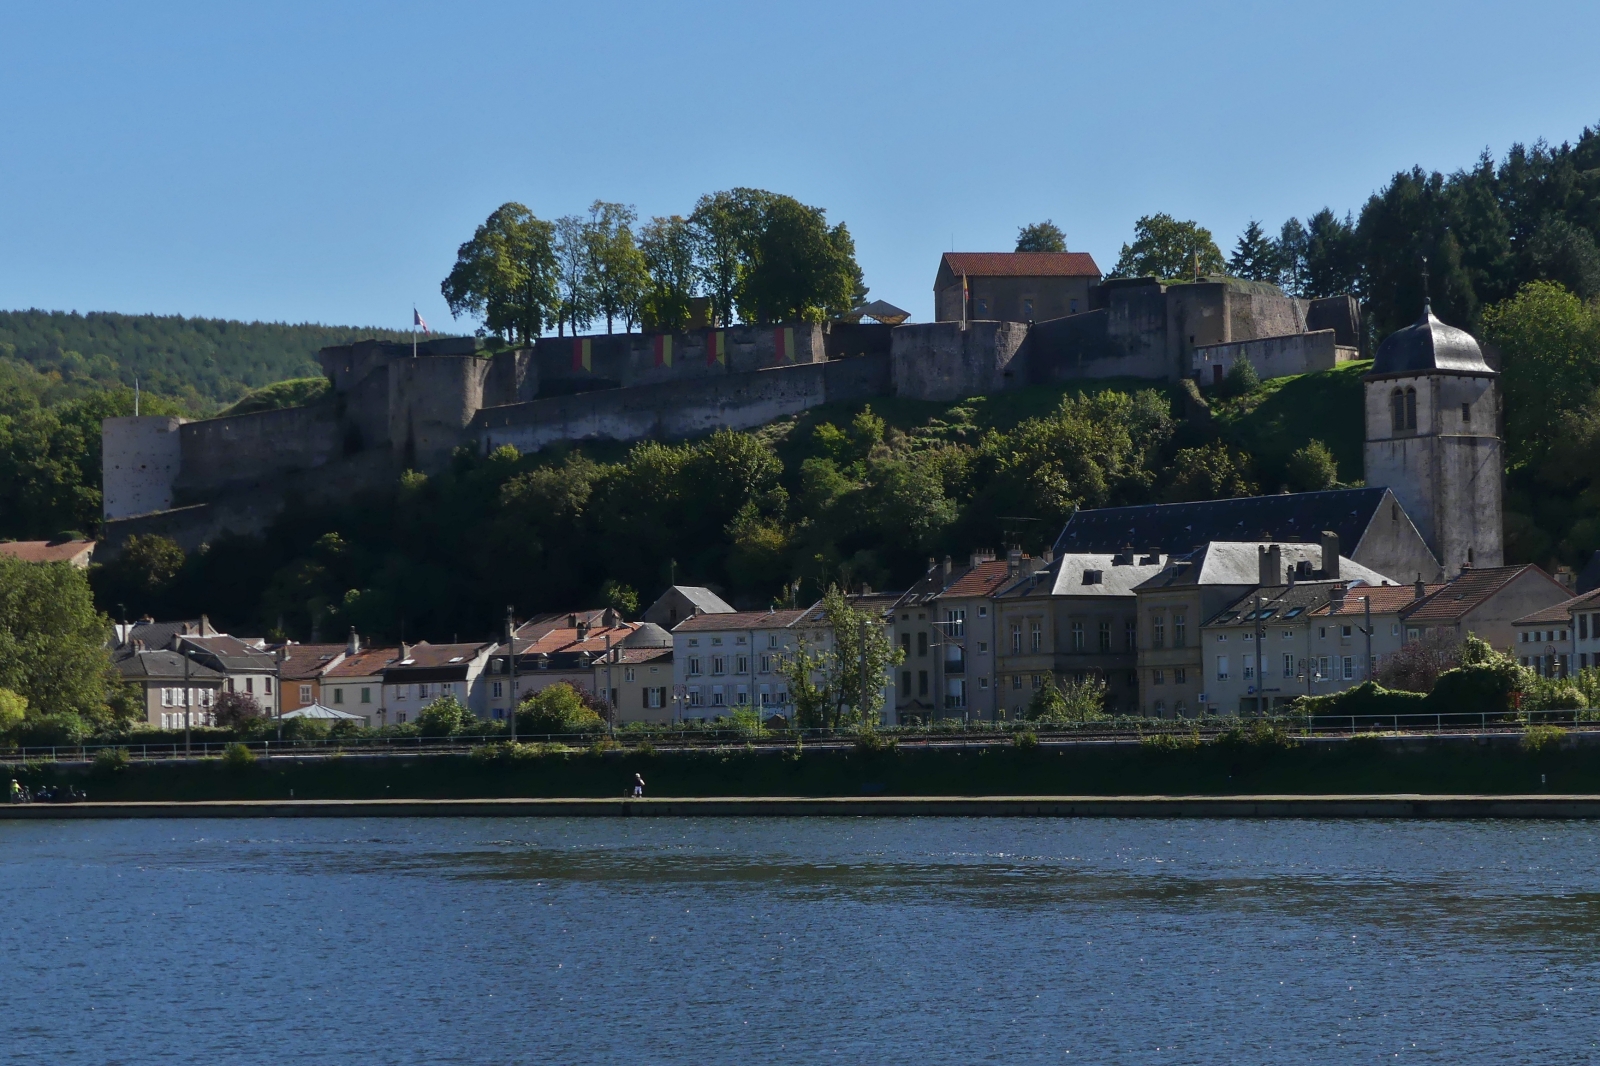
[663, 349]
[783, 343]
[716, 347]
[582, 354]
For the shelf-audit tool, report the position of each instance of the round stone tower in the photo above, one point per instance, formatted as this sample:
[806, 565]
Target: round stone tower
[1432, 438]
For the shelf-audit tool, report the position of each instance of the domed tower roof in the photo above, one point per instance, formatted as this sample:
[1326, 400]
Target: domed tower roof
[1428, 346]
[648, 635]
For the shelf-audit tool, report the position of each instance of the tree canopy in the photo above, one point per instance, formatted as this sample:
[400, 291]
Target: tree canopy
[52, 640]
[506, 274]
[1043, 236]
[1164, 247]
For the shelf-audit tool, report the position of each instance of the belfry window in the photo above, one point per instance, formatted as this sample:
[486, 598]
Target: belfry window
[1411, 408]
[1397, 410]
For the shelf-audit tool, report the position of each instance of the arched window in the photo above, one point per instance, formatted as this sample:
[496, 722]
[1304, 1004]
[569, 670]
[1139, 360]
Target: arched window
[1397, 410]
[1411, 408]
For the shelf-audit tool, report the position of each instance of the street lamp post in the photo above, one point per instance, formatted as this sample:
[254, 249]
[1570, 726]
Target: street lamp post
[511, 670]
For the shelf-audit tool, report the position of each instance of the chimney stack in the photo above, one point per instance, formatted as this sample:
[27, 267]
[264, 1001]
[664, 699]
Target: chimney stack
[1269, 565]
[354, 646]
[946, 567]
[1419, 588]
[1336, 596]
[1330, 555]
[405, 650]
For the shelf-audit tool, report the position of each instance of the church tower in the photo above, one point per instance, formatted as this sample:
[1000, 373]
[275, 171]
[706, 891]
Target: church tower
[1432, 420]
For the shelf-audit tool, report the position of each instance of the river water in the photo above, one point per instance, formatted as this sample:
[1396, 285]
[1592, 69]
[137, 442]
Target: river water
[750, 941]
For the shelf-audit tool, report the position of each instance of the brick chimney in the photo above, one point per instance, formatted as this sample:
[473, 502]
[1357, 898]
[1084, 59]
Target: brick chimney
[1420, 589]
[1330, 555]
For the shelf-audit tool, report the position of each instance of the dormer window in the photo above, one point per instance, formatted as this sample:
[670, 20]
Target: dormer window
[1093, 577]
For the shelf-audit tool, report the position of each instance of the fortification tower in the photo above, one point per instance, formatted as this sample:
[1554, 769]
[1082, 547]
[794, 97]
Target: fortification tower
[1432, 438]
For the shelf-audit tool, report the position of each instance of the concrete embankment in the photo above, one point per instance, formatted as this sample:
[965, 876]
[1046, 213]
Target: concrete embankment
[1378, 806]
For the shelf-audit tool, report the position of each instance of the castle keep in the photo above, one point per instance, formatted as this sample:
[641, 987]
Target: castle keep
[393, 407]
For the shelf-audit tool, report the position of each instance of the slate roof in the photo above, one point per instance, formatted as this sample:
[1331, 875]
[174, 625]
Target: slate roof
[1466, 592]
[318, 712]
[1428, 346]
[1279, 604]
[1067, 574]
[76, 552]
[158, 634]
[161, 665]
[875, 603]
[1022, 264]
[231, 653]
[704, 599]
[1181, 527]
[1561, 613]
[1238, 563]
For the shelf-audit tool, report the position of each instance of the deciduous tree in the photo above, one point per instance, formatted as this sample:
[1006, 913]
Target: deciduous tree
[506, 275]
[668, 246]
[1043, 236]
[616, 266]
[1165, 247]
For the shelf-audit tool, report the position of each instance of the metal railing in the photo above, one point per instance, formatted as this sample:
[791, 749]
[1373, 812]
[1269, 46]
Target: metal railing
[948, 732]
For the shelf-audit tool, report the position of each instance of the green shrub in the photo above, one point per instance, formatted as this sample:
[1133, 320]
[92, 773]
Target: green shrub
[1552, 694]
[1074, 702]
[602, 745]
[238, 757]
[510, 751]
[1172, 741]
[1258, 735]
[1539, 737]
[445, 717]
[1367, 699]
[556, 710]
[63, 729]
[1477, 688]
[13, 709]
[1241, 379]
[111, 760]
[1026, 740]
[872, 742]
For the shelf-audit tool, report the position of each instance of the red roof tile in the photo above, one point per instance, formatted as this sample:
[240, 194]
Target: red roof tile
[1460, 596]
[1561, 613]
[1386, 599]
[1022, 264]
[306, 661]
[49, 551]
[980, 580]
[739, 620]
[368, 663]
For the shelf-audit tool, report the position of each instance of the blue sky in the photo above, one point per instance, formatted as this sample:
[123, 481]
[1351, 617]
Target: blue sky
[321, 162]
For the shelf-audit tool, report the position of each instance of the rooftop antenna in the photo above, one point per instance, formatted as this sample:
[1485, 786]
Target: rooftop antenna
[1427, 299]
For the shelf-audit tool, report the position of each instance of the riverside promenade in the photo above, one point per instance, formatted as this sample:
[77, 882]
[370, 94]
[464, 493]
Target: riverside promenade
[1279, 806]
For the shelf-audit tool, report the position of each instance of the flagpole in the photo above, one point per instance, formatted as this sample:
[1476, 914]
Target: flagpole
[413, 331]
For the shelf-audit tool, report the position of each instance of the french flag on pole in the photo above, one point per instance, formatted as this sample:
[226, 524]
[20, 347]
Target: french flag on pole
[416, 320]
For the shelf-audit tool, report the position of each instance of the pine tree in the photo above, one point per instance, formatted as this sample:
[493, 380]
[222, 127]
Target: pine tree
[1255, 257]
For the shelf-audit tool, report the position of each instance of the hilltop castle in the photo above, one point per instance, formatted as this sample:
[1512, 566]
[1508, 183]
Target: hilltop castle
[393, 407]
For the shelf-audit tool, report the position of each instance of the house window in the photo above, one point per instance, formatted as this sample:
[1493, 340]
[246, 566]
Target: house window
[305, 693]
[1466, 412]
[1016, 681]
[741, 664]
[1158, 632]
[983, 647]
[905, 644]
[1105, 636]
[1034, 680]
[694, 696]
[766, 664]
[1180, 676]
[743, 697]
[922, 644]
[1288, 666]
[717, 696]
[1016, 639]
[1130, 635]
[1349, 665]
[366, 695]
[447, 689]
[627, 675]
[772, 640]
[1222, 668]
[694, 666]
[497, 689]
[250, 685]
[1035, 636]
[1161, 708]
[400, 717]
[905, 684]
[1179, 629]
[694, 642]
[338, 695]
[1249, 667]
[983, 610]
[400, 692]
[166, 697]
[1344, 631]
[1077, 637]
[922, 682]
[719, 665]
[983, 682]
[738, 640]
[1158, 677]
[716, 642]
[957, 620]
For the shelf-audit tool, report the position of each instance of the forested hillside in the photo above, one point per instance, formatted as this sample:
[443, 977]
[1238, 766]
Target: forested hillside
[201, 364]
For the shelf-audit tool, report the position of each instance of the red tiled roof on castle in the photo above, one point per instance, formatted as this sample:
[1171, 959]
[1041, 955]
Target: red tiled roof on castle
[1022, 264]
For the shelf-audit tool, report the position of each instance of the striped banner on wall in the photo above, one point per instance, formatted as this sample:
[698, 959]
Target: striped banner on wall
[716, 347]
[783, 342]
[663, 349]
[581, 354]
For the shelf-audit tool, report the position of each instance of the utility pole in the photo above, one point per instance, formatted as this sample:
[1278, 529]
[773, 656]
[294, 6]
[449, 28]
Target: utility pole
[611, 707]
[1366, 604]
[511, 668]
[186, 713]
[1261, 677]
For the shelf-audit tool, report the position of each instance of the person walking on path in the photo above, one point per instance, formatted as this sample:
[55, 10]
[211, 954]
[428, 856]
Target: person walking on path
[16, 791]
[638, 787]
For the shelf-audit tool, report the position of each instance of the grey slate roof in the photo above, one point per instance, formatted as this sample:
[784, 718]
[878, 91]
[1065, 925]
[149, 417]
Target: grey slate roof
[1181, 527]
[1238, 563]
[1428, 345]
[703, 598]
[163, 666]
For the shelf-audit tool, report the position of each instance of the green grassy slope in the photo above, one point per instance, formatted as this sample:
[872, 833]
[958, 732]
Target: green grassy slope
[203, 363]
[1285, 413]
